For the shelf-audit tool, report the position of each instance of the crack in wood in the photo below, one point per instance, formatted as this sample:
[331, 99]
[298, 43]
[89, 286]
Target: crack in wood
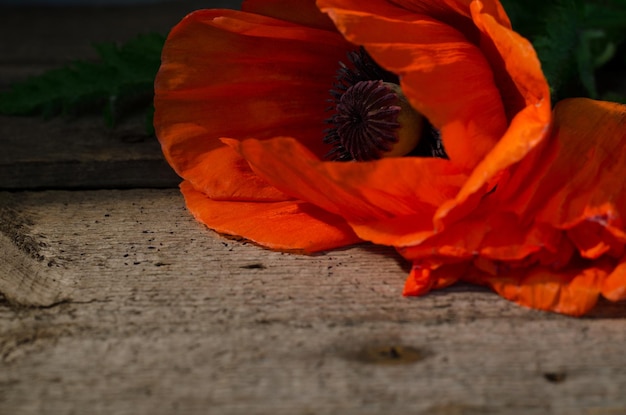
[253, 266]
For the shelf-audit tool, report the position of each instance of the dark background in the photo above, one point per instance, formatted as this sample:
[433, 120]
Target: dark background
[79, 151]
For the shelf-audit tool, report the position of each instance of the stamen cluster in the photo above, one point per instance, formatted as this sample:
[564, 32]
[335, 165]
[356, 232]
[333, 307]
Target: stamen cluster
[366, 111]
[366, 120]
[366, 104]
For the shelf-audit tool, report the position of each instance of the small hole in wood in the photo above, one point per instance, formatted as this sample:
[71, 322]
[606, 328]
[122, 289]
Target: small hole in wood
[253, 266]
[555, 377]
[390, 355]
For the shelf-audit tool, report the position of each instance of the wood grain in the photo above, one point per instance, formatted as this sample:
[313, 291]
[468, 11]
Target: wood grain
[80, 153]
[168, 317]
[24, 279]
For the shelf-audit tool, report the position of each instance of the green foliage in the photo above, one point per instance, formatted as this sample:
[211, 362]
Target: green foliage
[578, 42]
[120, 81]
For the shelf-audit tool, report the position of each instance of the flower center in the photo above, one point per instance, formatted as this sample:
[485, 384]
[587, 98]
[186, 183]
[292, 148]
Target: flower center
[372, 117]
[368, 120]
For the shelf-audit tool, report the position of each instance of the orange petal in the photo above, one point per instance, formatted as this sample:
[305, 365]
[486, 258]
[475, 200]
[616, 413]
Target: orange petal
[223, 174]
[576, 178]
[528, 129]
[305, 12]
[614, 286]
[292, 225]
[586, 181]
[235, 74]
[593, 240]
[515, 64]
[456, 13]
[572, 291]
[492, 234]
[424, 278]
[366, 193]
[443, 74]
[525, 93]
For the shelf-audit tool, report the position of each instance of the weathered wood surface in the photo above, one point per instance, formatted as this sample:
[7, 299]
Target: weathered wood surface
[118, 302]
[165, 317]
[79, 153]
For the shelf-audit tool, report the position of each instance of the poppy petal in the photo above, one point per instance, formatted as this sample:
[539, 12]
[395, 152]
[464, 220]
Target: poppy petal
[235, 74]
[423, 279]
[585, 181]
[443, 74]
[456, 13]
[366, 194]
[572, 291]
[574, 180]
[525, 91]
[614, 286]
[481, 235]
[560, 210]
[291, 225]
[516, 67]
[305, 13]
[529, 128]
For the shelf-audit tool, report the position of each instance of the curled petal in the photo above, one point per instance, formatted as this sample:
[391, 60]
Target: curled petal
[523, 88]
[290, 225]
[516, 67]
[236, 74]
[574, 181]
[366, 194]
[495, 235]
[456, 13]
[550, 234]
[306, 13]
[572, 291]
[428, 276]
[614, 286]
[586, 180]
[529, 128]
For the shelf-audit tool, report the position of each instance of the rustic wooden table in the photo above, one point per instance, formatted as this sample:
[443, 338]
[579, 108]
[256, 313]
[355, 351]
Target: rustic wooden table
[115, 301]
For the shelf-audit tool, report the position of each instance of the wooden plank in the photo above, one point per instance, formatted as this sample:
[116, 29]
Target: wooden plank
[80, 153]
[167, 317]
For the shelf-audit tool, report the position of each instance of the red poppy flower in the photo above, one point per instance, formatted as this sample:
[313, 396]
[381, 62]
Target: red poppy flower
[524, 201]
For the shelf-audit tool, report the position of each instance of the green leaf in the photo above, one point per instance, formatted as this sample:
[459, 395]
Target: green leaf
[120, 81]
[575, 41]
